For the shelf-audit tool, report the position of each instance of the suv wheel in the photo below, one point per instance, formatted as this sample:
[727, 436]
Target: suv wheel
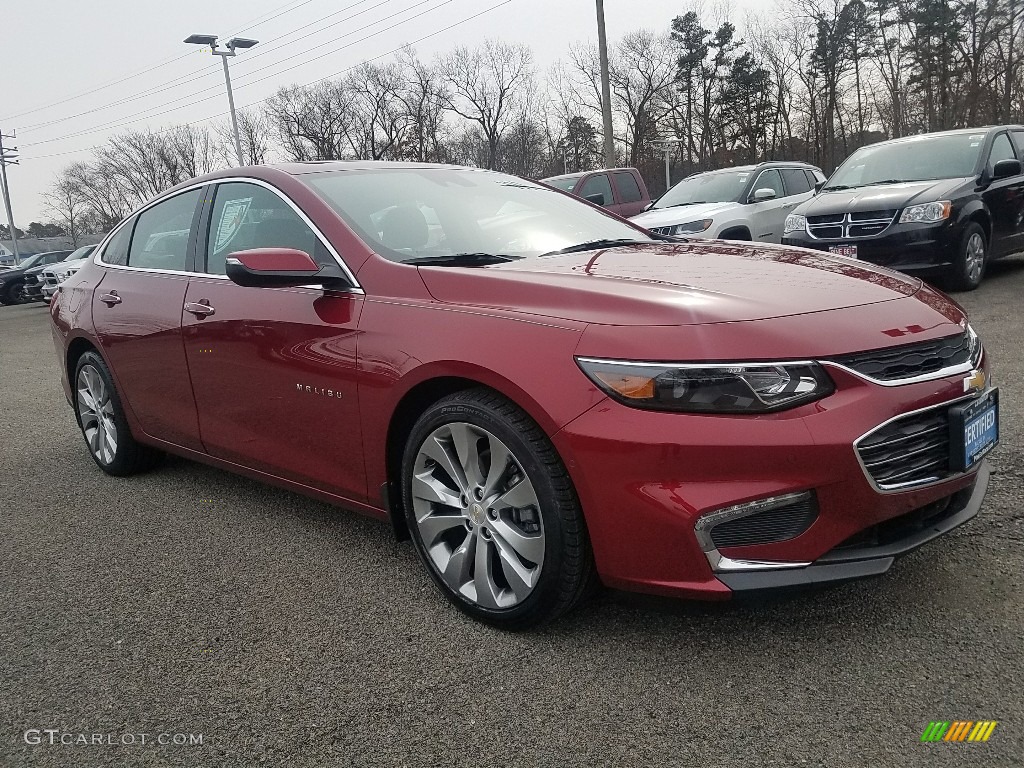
[101, 419]
[11, 293]
[969, 268]
[492, 512]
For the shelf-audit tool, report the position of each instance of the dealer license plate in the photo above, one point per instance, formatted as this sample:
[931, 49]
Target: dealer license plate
[849, 251]
[974, 430]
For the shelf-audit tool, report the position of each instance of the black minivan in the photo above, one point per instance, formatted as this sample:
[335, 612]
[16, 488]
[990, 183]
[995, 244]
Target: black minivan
[938, 204]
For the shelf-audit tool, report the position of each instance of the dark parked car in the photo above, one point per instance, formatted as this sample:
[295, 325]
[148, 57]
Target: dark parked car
[620, 190]
[939, 204]
[12, 280]
[537, 392]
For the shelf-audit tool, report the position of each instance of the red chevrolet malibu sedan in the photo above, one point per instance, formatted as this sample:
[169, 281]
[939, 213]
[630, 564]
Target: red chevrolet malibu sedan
[538, 393]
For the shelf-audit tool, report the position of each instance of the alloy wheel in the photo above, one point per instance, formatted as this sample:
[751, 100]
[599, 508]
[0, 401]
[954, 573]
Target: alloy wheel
[478, 516]
[96, 413]
[975, 257]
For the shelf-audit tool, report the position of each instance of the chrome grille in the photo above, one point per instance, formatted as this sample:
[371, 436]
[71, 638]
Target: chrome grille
[49, 278]
[912, 360]
[909, 451]
[839, 226]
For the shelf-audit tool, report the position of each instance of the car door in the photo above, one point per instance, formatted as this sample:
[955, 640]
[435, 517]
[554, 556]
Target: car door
[273, 369]
[628, 192]
[136, 310]
[1005, 200]
[767, 217]
[598, 184]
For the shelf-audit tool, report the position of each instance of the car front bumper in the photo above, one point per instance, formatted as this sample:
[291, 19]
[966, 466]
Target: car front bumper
[904, 247]
[647, 479]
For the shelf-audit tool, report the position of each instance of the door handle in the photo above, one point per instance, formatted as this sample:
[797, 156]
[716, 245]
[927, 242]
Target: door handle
[110, 299]
[200, 308]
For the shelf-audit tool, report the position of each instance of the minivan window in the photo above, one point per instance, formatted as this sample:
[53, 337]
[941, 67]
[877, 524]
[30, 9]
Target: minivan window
[1001, 150]
[160, 240]
[925, 158]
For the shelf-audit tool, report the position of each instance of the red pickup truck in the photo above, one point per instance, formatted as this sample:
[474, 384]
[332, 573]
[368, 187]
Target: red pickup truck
[620, 190]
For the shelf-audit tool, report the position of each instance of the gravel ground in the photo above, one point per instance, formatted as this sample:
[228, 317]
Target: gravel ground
[289, 633]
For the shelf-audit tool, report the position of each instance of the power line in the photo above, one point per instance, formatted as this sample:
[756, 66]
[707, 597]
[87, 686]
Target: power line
[191, 98]
[328, 77]
[97, 89]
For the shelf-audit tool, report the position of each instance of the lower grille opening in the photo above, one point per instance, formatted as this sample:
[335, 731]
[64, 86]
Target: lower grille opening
[899, 528]
[768, 527]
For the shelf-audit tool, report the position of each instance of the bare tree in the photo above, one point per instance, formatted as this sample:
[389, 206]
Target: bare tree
[65, 202]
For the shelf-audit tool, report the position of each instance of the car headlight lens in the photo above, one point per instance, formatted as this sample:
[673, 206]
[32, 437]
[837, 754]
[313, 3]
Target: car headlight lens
[709, 388]
[795, 222]
[692, 227]
[66, 275]
[927, 213]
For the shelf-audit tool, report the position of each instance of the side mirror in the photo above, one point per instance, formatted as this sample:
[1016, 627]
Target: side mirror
[765, 193]
[278, 267]
[1006, 168]
[597, 198]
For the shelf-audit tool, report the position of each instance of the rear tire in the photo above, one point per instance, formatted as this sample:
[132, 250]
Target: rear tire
[101, 418]
[504, 541]
[10, 293]
[968, 270]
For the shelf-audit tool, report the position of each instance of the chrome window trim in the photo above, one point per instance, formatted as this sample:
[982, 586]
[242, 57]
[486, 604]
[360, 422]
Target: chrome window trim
[356, 287]
[719, 563]
[914, 484]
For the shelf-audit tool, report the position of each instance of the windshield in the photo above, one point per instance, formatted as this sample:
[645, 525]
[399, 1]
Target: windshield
[80, 253]
[923, 159]
[31, 261]
[564, 184]
[718, 187]
[414, 213]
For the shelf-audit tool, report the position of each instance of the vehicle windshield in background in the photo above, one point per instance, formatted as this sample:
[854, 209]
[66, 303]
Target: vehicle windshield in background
[423, 213]
[566, 185]
[925, 159]
[80, 253]
[718, 187]
[31, 261]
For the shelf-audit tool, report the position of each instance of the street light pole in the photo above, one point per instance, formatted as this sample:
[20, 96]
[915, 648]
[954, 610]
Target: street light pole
[666, 147]
[606, 90]
[231, 45]
[8, 156]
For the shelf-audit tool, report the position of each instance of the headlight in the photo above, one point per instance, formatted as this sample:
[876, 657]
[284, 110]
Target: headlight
[794, 223]
[926, 213]
[66, 275]
[692, 227]
[709, 388]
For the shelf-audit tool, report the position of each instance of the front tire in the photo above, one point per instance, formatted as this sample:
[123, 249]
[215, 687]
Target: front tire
[493, 513]
[11, 294]
[972, 257]
[101, 418]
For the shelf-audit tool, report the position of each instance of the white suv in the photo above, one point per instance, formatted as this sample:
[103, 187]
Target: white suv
[750, 202]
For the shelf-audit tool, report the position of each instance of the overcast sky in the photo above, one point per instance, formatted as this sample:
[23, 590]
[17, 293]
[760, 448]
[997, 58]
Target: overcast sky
[62, 59]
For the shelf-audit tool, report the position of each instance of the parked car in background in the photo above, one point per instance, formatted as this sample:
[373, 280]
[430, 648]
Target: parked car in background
[939, 205]
[536, 393]
[748, 202]
[32, 284]
[11, 280]
[620, 190]
[54, 274]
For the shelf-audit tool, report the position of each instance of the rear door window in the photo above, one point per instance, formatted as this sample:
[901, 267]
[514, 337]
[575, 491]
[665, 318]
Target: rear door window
[629, 190]
[160, 240]
[595, 185]
[796, 181]
[116, 251]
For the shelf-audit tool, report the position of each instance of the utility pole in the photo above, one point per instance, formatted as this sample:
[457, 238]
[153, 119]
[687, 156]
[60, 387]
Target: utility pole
[606, 89]
[9, 156]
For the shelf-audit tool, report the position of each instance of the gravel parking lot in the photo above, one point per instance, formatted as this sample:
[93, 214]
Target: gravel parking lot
[286, 632]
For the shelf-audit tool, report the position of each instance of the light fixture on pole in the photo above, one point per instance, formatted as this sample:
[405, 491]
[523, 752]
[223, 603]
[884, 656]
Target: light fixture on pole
[228, 51]
[666, 147]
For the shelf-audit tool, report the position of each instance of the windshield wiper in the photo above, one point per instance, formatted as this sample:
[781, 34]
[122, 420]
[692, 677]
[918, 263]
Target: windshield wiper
[680, 205]
[462, 260]
[840, 187]
[887, 181]
[593, 245]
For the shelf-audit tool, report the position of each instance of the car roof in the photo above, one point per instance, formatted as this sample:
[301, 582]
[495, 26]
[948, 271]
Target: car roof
[985, 129]
[579, 174]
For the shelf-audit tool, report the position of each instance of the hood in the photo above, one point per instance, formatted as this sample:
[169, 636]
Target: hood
[63, 266]
[681, 214]
[671, 284]
[881, 197]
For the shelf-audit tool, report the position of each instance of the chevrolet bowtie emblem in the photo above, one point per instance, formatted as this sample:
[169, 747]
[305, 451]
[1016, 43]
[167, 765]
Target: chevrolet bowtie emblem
[975, 382]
